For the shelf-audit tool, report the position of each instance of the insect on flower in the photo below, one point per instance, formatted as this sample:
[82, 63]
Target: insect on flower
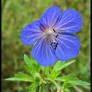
[53, 36]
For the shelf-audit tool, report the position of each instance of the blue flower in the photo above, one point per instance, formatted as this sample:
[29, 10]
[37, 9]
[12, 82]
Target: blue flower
[53, 36]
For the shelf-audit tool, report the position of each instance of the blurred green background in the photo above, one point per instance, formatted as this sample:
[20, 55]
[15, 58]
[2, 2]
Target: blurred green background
[16, 14]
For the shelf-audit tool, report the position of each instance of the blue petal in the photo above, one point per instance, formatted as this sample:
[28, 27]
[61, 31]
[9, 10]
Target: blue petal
[31, 33]
[43, 53]
[68, 47]
[51, 15]
[70, 21]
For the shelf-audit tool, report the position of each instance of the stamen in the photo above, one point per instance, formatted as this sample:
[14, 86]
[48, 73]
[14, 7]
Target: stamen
[54, 45]
[52, 35]
[56, 35]
[54, 30]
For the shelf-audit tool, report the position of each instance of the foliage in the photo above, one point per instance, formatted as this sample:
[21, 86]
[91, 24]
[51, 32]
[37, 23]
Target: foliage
[18, 13]
[47, 76]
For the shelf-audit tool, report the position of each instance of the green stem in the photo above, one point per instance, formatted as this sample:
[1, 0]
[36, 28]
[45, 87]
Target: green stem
[57, 86]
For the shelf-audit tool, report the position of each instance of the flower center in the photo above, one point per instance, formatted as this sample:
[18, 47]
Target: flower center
[49, 33]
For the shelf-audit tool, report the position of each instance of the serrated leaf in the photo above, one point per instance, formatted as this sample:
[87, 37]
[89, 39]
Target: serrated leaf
[61, 65]
[21, 77]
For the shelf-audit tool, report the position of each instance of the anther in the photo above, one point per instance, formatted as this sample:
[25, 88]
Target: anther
[54, 30]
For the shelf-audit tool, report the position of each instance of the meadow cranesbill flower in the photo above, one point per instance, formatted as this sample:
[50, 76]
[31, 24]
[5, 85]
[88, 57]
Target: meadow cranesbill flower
[53, 36]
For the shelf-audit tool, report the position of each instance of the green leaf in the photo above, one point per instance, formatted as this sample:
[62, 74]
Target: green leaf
[32, 87]
[54, 74]
[42, 88]
[27, 69]
[27, 61]
[78, 82]
[66, 90]
[37, 77]
[61, 65]
[31, 65]
[72, 80]
[45, 71]
[62, 79]
[54, 82]
[52, 87]
[21, 77]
